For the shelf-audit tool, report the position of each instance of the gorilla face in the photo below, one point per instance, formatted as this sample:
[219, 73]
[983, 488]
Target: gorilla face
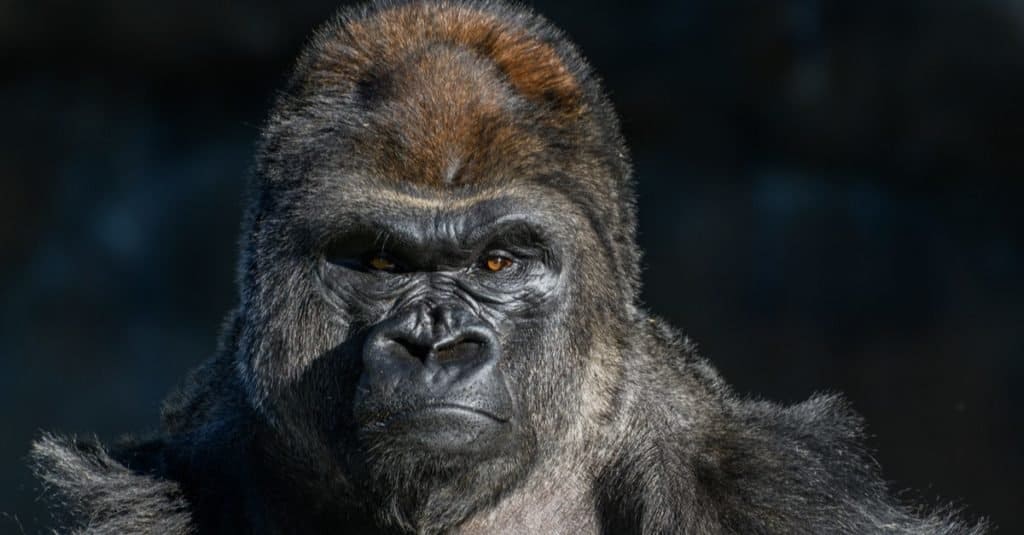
[450, 298]
[441, 325]
[424, 338]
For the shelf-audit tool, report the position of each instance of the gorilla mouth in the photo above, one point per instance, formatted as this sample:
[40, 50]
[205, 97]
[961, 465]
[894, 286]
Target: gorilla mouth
[445, 427]
[456, 409]
[449, 410]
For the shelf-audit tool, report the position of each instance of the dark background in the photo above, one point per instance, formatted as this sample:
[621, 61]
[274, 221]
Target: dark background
[829, 201]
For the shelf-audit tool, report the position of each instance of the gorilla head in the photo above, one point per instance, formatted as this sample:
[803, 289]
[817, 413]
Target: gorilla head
[440, 256]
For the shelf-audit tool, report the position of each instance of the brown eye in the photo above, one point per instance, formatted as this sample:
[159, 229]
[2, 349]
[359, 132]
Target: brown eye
[497, 263]
[381, 263]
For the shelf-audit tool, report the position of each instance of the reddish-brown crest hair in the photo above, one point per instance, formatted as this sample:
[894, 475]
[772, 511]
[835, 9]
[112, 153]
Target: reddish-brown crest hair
[355, 46]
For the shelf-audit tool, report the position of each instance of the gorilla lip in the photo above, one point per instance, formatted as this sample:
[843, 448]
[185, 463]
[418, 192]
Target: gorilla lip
[452, 409]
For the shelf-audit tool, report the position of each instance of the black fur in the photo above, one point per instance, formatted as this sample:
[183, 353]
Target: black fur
[419, 115]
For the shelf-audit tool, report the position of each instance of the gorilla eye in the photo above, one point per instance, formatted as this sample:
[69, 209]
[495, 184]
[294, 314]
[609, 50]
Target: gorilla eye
[497, 263]
[380, 263]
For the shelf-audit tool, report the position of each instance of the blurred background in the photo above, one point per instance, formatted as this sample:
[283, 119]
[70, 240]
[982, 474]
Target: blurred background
[829, 201]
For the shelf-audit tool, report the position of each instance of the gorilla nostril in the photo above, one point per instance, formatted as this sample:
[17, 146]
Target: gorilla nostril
[458, 351]
[410, 349]
[403, 344]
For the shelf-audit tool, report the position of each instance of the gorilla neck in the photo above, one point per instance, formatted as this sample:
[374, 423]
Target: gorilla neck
[554, 499]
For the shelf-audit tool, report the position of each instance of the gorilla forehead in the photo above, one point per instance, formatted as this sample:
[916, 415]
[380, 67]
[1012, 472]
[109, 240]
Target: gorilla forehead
[422, 214]
[446, 120]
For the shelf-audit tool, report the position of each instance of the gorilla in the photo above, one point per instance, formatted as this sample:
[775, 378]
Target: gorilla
[439, 328]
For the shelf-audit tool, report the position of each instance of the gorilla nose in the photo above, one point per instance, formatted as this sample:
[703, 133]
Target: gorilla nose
[429, 348]
[463, 347]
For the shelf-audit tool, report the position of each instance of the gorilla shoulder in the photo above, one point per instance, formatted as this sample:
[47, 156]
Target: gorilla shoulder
[692, 457]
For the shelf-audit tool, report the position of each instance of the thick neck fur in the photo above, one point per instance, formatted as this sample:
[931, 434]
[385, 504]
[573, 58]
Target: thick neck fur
[555, 499]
